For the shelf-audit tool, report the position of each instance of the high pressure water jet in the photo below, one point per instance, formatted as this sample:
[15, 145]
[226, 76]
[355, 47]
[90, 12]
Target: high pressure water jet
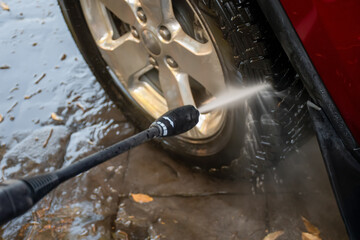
[18, 196]
[232, 96]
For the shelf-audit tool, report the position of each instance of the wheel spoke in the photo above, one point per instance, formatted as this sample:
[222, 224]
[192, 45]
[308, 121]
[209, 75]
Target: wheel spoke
[158, 11]
[191, 54]
[176, 88]
[177, 92]
[125, 55]
[158, 38]
[123, 9]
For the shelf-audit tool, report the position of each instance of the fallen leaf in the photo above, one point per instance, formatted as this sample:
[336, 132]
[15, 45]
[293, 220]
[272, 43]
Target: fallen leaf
[56, 117]
[1, 118]
[273, 235]
[41, 78]
[310, 227]
[76, 98]
[34, 44]
[309, 236]
[30, 96]
[49, 226]
[63, 57]
[14, 89]
[48, 138]
[4, 67]
[4, 6]
[141, 198]
[13, 106]
[80, 106]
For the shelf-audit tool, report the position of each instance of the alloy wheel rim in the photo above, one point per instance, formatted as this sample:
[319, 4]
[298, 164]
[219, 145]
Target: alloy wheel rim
[154, 45]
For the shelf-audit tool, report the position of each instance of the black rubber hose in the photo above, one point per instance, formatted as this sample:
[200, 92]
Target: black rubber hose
[18, 196]
[106, 154]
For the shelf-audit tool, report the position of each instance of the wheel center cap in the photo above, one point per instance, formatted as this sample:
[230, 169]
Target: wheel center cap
[151, 42]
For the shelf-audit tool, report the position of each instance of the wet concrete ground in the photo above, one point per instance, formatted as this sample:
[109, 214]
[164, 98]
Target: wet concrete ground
[47, 75]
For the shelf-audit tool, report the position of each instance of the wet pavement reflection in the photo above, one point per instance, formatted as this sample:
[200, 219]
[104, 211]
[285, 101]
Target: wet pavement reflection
[53, 112]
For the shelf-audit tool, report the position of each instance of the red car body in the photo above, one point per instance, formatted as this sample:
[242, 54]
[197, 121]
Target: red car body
[322, 40]
[330, 33]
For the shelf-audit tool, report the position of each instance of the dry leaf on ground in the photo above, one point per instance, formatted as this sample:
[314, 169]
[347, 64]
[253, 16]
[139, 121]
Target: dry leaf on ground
[33, 94]
[1, 118]
[4, 67]
[63, 57]
[141, 198]
[273, 235]
[41, 78]
[79, 105]
[4, 6]
[12, 107]
[310, 227]
[48, 138]
[309, 236]
[56, 117]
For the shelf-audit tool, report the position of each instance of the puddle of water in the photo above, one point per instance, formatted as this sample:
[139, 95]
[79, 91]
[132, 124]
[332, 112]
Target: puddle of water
[39, 82]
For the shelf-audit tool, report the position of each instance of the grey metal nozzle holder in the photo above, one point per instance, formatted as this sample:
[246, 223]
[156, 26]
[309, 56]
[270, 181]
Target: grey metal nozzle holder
[18, 196]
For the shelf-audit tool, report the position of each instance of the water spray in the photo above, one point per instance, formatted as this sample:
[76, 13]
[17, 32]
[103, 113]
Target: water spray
[18, 196]
[231, 96]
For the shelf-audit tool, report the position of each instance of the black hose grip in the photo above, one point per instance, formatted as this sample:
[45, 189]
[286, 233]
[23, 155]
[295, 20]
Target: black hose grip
[177, 121]
[15, 199]
[18, 196]
[42, 184]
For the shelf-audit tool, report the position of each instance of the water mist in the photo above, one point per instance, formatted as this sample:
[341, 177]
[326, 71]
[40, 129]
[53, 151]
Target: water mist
[232, 96]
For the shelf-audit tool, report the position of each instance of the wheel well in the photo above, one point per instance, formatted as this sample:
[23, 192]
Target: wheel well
[292, 46]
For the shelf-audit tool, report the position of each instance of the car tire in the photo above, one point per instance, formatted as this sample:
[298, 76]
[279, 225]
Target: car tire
[254, 135]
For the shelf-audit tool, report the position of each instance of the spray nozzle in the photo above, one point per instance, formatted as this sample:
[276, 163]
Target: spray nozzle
[177, 121]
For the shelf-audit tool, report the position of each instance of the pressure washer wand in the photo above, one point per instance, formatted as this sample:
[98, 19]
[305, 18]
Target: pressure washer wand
[18, 196]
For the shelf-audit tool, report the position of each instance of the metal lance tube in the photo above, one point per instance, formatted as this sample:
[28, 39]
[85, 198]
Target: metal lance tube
[18, 196]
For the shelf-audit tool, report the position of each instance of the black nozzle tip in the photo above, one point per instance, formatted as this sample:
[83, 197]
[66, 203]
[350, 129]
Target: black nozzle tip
[177, 121]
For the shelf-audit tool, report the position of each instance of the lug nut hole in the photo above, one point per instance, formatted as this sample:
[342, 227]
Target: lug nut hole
[165, 33]
[141, 15]
[134, 32]
[171, 62]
